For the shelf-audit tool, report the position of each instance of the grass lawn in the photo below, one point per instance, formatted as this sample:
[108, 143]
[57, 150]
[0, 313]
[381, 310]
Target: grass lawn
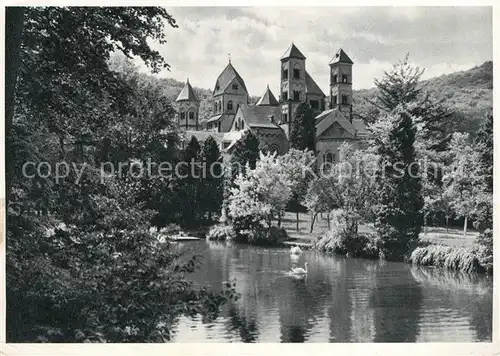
[438, 235]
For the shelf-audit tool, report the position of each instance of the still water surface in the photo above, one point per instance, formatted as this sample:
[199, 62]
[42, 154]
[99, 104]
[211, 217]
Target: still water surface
[341, 300]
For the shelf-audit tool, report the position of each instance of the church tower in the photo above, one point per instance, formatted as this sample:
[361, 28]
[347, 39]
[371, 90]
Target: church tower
[341, 83]
[187, 106]
[229, 94]
[293, 85]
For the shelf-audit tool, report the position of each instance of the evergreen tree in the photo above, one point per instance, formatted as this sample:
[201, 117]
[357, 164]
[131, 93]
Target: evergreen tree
[193, 150]
[402, 86]
[399, 213]
[211, 200]
[246, 151]
[190, 183]
[303, 130]
[484, 145]
[484, 209]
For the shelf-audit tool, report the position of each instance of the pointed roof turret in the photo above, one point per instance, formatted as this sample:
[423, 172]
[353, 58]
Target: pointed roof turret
[226, 78]
[187, 93]
[341, 57]
[292, 52]
[267, 99]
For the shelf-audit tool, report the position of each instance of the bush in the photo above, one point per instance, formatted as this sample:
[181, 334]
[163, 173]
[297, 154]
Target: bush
[343, 239]
[362, 245]
[221, 233]
[263, 236]
[486, 239]
[484, 250]
[459, 259]
[172, 229]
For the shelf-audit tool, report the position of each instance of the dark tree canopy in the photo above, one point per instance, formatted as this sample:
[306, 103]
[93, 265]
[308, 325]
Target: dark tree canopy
[246, 150]
[399, 211]
[402, 86]
[82, 262]
[303, 130]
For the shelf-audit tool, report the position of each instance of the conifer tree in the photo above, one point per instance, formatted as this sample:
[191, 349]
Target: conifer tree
[402, 85]
[303, 130]
[484, 210]
[246, 150]
[399, 212]
[189, 194]
[212, 180]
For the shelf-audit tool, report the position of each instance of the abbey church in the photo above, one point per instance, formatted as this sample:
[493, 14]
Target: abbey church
[270, 119]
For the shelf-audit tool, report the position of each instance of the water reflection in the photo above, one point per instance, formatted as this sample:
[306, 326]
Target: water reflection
[341, 300]
[397, 302]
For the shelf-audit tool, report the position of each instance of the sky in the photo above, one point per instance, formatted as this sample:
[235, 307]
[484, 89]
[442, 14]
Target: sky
[440, 39]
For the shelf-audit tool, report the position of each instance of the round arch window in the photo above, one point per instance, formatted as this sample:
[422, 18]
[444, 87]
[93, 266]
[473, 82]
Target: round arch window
[274, 148]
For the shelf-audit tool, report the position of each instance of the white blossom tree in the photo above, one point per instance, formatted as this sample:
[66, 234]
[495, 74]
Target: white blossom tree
[262, 193]
[299, 166]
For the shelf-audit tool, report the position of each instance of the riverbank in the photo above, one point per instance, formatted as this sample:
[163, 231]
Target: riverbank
[441, 247]
[452, 237]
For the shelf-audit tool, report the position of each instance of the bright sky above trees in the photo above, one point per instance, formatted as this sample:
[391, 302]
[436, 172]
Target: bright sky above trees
[442, 40]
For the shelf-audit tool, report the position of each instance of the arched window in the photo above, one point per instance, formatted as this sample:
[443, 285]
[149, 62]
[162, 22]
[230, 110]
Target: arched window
[191, 115]
[183, 115]
[215, 107]
[274, 148]
[242, 124]
[230, 105]
[220, 107]
[330, 157]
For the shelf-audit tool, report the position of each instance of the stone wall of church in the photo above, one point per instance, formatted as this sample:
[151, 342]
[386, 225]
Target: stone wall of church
[271, 139]
[329, 147]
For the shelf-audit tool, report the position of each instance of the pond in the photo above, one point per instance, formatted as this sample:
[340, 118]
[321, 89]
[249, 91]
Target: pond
[341, 300]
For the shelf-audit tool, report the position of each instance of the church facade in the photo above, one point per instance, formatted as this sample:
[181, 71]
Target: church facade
[270, 118]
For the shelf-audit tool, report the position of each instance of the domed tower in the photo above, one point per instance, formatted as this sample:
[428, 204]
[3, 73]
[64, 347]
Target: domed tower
[187, 106]
[292, 85]
[341, 83]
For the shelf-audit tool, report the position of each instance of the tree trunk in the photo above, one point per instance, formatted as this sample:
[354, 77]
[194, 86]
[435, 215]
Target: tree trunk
[328, 220]
[297, 225]
[279, 219]
[447, 218]
[425, 224]
[465, 226]
[312, 222]
[14, 21]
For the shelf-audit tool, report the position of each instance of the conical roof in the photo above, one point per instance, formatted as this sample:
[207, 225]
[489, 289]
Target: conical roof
[267, 99]
[187, 93]
[292, 52]
[341, 57]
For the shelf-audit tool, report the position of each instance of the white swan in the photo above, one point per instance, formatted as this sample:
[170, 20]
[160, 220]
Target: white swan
[300, 270]
[295, 250]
